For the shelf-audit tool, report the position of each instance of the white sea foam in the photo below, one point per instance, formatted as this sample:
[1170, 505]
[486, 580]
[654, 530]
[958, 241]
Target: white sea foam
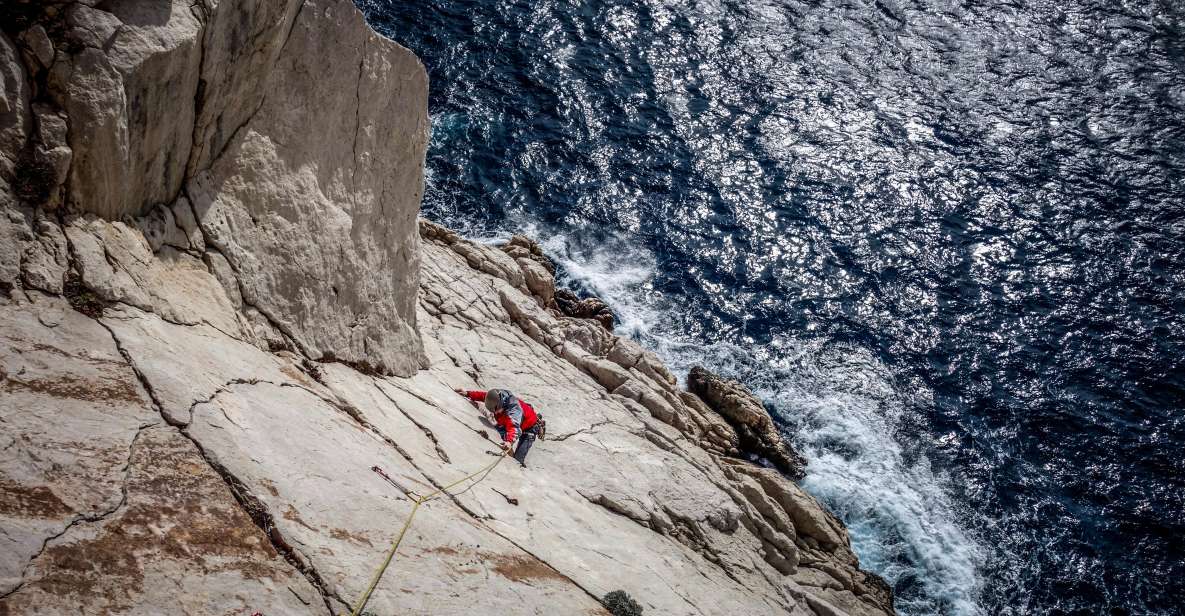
[850, 418]
[614, 270]
[851, 422]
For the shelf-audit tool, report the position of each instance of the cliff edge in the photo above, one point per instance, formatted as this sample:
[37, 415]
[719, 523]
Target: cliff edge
[219, 312]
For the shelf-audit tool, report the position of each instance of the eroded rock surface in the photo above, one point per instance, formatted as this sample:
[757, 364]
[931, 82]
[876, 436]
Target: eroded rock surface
[748, 416]
[105, 508]
[70, 407]
[177, 543]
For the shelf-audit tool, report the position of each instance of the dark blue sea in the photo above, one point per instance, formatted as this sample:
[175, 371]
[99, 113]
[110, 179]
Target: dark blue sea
[944, 240]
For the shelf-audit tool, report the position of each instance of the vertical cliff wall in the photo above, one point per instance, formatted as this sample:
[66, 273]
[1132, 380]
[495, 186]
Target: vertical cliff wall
[289, 132]
[218, 312]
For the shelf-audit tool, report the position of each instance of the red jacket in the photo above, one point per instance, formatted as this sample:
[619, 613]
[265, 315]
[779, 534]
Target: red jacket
[520, 415]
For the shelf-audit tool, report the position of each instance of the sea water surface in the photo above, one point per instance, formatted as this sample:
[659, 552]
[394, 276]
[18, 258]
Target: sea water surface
[943, 240]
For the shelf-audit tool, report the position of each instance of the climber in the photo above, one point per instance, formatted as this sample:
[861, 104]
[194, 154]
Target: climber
[513, 417]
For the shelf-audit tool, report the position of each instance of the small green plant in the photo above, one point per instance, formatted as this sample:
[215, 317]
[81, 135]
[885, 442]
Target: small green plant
[619, 603]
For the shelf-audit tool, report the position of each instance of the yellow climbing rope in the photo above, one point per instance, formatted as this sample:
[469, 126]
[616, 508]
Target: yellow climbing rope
[378, 575]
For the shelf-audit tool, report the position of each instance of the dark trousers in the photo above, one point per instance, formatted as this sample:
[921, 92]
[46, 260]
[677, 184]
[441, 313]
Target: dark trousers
[525, 440]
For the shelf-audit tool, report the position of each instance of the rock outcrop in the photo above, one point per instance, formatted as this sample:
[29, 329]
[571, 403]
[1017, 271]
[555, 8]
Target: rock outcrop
[539, 275]
[593, 308]
[538, 269]
[755, 429]
[218, 312]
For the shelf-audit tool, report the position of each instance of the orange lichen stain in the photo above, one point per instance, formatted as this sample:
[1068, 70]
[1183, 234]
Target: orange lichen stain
[74, 388]
[292, 515]
[522, 568]
[344, 535]
[84, 356]
[296, 375]
[21, 501]
[269, 486]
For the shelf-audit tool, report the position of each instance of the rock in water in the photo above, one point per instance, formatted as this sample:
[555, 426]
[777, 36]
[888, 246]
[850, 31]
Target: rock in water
[748, 416]
[587, 308]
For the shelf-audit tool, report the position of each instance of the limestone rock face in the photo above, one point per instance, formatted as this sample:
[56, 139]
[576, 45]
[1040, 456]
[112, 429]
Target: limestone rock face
[334, 152]
[127, 81]
[748, 417]
[241, 42]
[15, 115]
[15, 126]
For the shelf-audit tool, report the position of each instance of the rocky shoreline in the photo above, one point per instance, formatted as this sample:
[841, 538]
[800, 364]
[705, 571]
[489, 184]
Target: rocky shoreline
[219, 311]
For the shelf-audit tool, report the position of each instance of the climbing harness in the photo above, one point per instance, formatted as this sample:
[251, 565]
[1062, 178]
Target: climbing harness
[417, 500]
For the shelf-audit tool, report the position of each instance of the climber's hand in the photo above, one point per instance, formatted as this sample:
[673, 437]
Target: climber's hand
[505, 448]
[464, 394]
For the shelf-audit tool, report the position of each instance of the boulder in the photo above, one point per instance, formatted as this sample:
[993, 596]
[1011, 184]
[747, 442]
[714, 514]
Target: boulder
[16, 235]
[587, 308]
[540, 281]
[40, 48]
[523, 247]
[45, 261]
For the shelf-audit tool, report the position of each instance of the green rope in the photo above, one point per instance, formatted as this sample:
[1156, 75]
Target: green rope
[378, 575]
